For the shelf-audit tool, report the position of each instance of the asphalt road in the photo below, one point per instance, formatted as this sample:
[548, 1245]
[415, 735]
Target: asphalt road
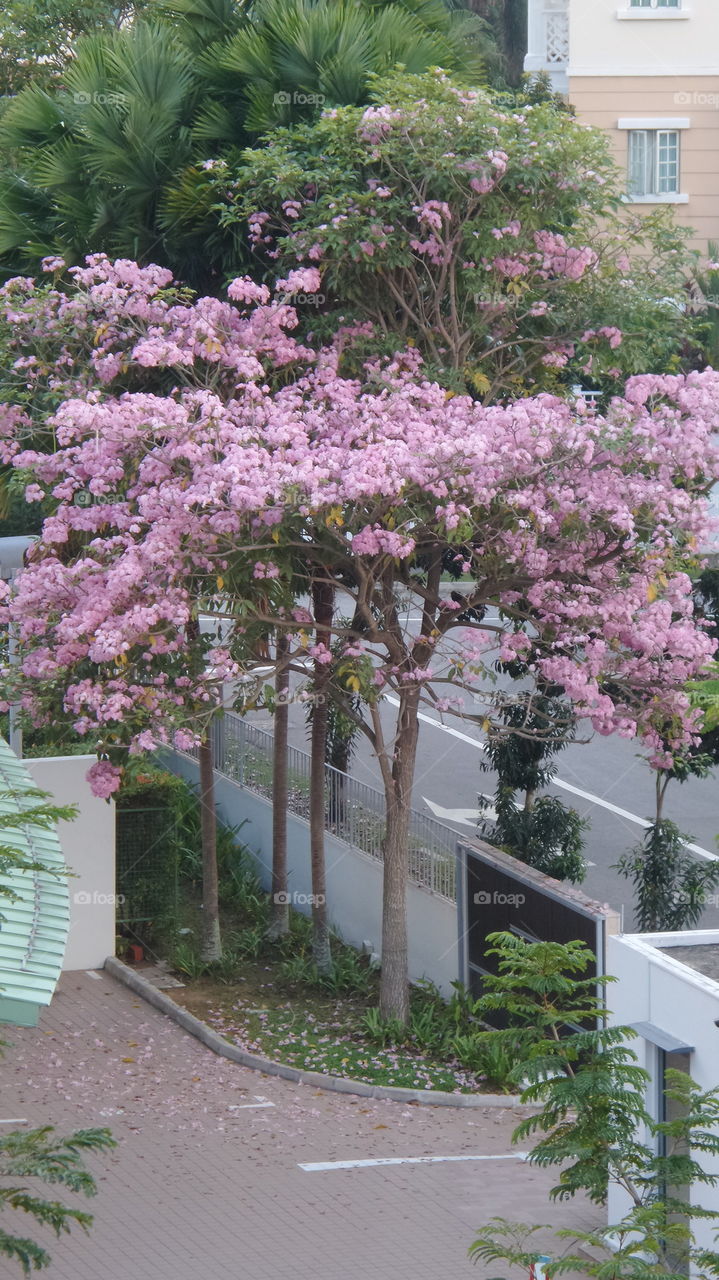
[615, 783]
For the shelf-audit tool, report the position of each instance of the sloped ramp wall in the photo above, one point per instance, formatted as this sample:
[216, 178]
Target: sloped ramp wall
[88, 844]
[354, 881]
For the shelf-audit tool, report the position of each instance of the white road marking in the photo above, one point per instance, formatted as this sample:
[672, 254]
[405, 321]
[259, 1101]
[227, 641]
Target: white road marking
[13, 1121]
[557, 782]
[467, 817]
[257, 1105]
[368, 1164]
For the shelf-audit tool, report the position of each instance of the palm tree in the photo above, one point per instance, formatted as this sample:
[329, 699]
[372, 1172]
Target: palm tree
[94, 158]
[113, 161]
[292, 56]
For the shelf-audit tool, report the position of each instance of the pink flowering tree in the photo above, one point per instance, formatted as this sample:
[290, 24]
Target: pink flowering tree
[492, 238]
[578, 528]
[109, 613]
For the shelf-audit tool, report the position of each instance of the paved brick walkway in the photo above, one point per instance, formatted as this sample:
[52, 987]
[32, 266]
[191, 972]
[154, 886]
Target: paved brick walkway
[197, 1189]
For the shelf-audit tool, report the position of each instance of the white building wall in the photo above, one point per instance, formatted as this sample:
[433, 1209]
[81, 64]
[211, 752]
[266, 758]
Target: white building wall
[88, 845]
[610, 38]
[548, 40]
[656, 988]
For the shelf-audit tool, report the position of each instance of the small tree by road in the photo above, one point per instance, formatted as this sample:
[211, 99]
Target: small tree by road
[492, 238]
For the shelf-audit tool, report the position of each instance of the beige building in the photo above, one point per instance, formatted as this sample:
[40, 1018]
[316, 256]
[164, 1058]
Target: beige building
[647, 72]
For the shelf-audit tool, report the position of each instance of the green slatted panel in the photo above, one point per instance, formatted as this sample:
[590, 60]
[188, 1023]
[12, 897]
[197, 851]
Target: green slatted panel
[35, 924]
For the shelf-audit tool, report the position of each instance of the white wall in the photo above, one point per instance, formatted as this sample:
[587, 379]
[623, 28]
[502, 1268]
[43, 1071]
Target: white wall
[654, 987]
[88, 844]
[354, 882]
[647, 42]
[541, 16]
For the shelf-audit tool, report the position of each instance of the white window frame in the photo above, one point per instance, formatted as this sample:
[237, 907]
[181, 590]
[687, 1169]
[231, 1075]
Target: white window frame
[655, 4]
[652, 150]
[653, 127]
[631, 11]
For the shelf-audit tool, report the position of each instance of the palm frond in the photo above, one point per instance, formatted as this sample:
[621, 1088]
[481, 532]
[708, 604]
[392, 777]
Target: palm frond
[199, 22]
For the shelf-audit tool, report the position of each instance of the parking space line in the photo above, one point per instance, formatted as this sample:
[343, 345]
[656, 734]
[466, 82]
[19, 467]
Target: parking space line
[257, 1105]
[326, 1165]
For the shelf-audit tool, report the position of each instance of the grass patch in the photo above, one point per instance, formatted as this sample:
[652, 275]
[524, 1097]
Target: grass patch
[267, 996]
[304, 1026]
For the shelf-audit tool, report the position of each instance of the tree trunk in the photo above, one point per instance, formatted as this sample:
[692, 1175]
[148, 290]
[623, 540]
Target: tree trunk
[339, 755]
[323, 603]
[394, 982]
[508, 21]
[211, 940]
[514, 38]
[341, 748]
[279, 905]
[661, 783]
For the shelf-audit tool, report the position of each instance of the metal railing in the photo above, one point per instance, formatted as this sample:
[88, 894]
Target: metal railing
[354, 812]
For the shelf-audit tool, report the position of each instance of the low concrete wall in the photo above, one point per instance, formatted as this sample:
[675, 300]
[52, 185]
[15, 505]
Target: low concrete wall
[354, 881]
[88, 845]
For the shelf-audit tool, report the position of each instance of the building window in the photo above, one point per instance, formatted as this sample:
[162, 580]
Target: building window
[654, 4]
[676, 1255]
[653, 162]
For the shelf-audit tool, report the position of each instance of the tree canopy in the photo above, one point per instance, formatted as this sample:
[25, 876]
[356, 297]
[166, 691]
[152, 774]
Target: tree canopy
[203, 458]
[493, 238]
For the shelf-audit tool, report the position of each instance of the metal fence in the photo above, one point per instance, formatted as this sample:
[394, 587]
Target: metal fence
[354, 812]
[146, 865]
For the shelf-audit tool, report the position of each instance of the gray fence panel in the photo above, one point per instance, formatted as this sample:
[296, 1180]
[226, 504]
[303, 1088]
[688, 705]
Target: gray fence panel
[355, 812]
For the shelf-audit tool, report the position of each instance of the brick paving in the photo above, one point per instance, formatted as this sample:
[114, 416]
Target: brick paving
[196, 1189]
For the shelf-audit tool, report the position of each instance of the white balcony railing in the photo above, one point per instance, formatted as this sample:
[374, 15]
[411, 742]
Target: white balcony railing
[548, 44]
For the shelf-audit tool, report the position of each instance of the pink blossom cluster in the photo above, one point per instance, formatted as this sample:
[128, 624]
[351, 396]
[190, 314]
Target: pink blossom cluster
[433, 213]
[257, 222]
[376, 541]
[561, 259]
[613, 335]
[377, 122]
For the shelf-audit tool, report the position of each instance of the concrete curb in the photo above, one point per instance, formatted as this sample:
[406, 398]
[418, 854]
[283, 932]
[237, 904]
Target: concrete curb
[335, 1084]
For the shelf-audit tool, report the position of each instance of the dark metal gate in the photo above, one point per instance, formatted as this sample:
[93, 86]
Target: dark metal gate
[502, 894]
[146, 869]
